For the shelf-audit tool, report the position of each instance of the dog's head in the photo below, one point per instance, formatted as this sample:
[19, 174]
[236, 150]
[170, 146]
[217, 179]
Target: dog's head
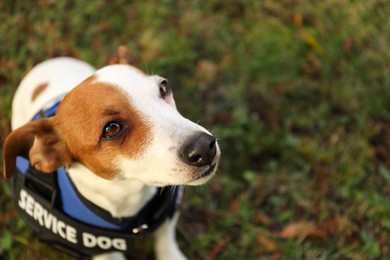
[121, 124]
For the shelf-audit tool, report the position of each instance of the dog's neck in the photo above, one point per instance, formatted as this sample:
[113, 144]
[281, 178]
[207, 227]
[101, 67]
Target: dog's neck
[122, 198]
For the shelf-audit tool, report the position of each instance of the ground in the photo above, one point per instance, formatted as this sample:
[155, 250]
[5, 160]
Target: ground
[297, 92]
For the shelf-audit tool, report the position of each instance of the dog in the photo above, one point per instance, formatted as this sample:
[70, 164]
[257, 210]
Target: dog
[119, 137]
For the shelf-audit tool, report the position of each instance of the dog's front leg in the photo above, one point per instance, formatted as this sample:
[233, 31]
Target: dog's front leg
[166, 247]
[109, 256]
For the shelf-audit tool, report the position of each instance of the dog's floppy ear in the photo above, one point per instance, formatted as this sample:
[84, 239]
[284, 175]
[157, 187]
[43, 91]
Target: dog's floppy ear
[40, 143]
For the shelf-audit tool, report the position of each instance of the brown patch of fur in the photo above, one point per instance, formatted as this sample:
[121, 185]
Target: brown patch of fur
[39, 142]
[83, 114]
[38, 90]
[75, 132]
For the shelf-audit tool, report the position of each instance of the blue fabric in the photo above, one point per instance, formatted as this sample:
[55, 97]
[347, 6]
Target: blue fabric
[47, 113]
[22, 164]
[74, 207]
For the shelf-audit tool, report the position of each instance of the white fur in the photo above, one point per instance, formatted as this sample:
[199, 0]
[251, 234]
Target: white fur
[55, 72]
[165, 246]
[126, 197]
[137, 178]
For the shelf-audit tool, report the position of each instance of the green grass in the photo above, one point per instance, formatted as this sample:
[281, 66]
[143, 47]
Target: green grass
[297, 92]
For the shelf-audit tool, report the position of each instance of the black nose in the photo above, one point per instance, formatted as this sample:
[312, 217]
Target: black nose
[199, 150]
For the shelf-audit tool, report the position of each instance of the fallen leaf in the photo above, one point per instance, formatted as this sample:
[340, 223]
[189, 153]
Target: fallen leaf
[302, 229]
[263, 219]
[267, 244]
[217, 249]
[234, 205]
[298, 19]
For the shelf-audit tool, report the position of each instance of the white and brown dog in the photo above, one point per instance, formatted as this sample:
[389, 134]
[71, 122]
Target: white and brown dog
[118, 134]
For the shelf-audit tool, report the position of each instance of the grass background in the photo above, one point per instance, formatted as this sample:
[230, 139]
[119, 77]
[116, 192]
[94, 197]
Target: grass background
[297, 92]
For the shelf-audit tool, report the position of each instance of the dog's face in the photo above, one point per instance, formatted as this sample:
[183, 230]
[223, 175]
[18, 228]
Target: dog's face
[121, 124]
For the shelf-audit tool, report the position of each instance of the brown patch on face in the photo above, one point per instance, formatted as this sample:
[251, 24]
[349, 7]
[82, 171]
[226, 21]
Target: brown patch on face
[84, 113]
[38, 90]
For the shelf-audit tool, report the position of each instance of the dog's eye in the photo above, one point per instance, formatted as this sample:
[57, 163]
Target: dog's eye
[164, 88]
[111, 129]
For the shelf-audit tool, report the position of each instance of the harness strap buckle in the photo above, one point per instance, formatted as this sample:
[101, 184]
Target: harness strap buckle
[140, 228]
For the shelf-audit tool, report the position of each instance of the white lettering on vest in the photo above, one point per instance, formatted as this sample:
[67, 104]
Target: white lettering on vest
[103, 242]
[45, 218]
[63, 230]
